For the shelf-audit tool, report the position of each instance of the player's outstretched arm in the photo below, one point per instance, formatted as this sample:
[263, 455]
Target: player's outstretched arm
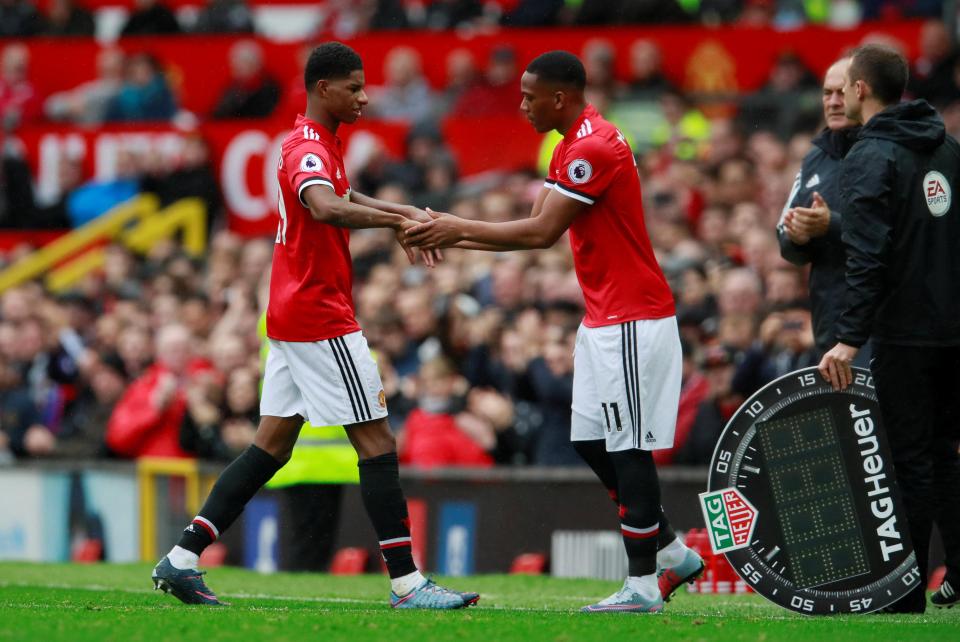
[430, 257]
[329, 208]
[546, 224]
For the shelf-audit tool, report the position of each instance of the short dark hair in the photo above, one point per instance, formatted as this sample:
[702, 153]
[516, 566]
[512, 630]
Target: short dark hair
[559, 67]
[883, 68]
[330, 61]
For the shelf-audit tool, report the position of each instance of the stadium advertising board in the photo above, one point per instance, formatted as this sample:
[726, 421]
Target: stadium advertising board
[801, 498]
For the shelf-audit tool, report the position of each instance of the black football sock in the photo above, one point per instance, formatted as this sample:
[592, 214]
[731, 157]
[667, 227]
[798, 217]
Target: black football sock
[640, 514]
[594, 452]
[387, 509]
[237, 484]
[667, 534]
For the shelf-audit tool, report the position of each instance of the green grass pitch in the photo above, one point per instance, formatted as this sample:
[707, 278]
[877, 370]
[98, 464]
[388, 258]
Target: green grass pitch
[48, 602]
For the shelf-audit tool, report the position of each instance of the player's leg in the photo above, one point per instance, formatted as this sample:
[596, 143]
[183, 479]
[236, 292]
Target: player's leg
[604, 412]
[670, 550]
[659, 367]
[281, 410]
[341, 386]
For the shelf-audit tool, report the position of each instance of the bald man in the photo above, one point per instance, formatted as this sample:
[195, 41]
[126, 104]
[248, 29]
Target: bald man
[809, 228]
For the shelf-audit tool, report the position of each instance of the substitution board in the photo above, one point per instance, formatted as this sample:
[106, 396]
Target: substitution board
[801, 498]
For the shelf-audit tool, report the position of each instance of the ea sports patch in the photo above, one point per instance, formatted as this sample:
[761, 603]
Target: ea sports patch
[311, 163]
[936, 190]
[580, 171]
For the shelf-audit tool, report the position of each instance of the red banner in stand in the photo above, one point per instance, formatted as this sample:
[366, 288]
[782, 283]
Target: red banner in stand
[245, 154]
[700, 59]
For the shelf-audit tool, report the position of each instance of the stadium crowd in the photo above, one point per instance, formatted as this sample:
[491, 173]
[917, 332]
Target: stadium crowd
[345, 18]
[160, 354]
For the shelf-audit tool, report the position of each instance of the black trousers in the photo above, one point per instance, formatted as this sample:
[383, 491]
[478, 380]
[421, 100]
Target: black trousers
[919, 394]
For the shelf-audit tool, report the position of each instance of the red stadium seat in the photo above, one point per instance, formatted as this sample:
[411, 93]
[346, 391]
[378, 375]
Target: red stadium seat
[214, 555]
[349, 561]
[529, 564]
[87, 551]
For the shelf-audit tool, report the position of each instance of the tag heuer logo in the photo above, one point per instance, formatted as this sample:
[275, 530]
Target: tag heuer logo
[730, 519]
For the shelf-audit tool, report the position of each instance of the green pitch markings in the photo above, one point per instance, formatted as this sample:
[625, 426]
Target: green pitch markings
[101, 603]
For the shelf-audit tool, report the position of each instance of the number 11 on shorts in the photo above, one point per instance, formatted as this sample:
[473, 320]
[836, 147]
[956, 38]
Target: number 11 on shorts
[613, 409]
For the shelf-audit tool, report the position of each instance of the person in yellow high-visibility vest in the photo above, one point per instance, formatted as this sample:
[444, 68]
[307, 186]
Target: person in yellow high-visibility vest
[311, 485]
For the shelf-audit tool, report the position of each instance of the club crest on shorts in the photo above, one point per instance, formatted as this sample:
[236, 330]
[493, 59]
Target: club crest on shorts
[936, 190]
[382, 399]
[311, 163]
[580, 171]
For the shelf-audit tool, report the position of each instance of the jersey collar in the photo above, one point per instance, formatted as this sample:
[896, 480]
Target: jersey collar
[588, 112]
[321, 131]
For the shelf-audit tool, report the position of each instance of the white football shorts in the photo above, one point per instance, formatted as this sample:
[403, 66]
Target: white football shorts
[626, 384]
[334, 382]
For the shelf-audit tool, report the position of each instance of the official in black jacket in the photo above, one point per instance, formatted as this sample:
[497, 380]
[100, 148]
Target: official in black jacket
[809, 228]
[901, 226]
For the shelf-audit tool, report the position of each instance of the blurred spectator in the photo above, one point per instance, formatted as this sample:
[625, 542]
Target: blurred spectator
[789, 101]
[598, 58]
[221, 420]
[144, 94]
[684, 127]
[442, 15]
[147, 419]
[406, 96]
[785, 344]
[19, 18]
[899, 9]
[225, 16]
[87, 103]
[91, 199]
[67, 18]
[19, 101]
[21, 432]
[252, 92]
[187, 175]
[550, 378]
[150, 17]
[533, 13]
[16, 186]
[462, 74]
[437, 433]
[716, 409]
[933, 75]
[631, 12]
[84, 429]
[498, 94]
[646, 76]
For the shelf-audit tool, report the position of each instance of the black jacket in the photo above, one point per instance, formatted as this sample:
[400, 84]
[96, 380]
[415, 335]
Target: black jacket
[901, 226]
[820, 172]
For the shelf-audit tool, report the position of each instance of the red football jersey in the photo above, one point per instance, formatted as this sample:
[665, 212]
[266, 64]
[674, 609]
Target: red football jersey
[311, 285]
[615, 264]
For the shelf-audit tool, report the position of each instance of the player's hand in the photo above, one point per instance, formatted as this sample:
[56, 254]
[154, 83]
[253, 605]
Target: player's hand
[431, 257]
[835, 366]
[814, 221]
[443, 231]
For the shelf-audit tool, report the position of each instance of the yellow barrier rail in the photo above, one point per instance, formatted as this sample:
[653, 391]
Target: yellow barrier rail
[148, 470]
[137, 223]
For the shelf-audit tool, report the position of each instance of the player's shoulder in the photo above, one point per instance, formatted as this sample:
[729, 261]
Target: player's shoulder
[595, 136]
